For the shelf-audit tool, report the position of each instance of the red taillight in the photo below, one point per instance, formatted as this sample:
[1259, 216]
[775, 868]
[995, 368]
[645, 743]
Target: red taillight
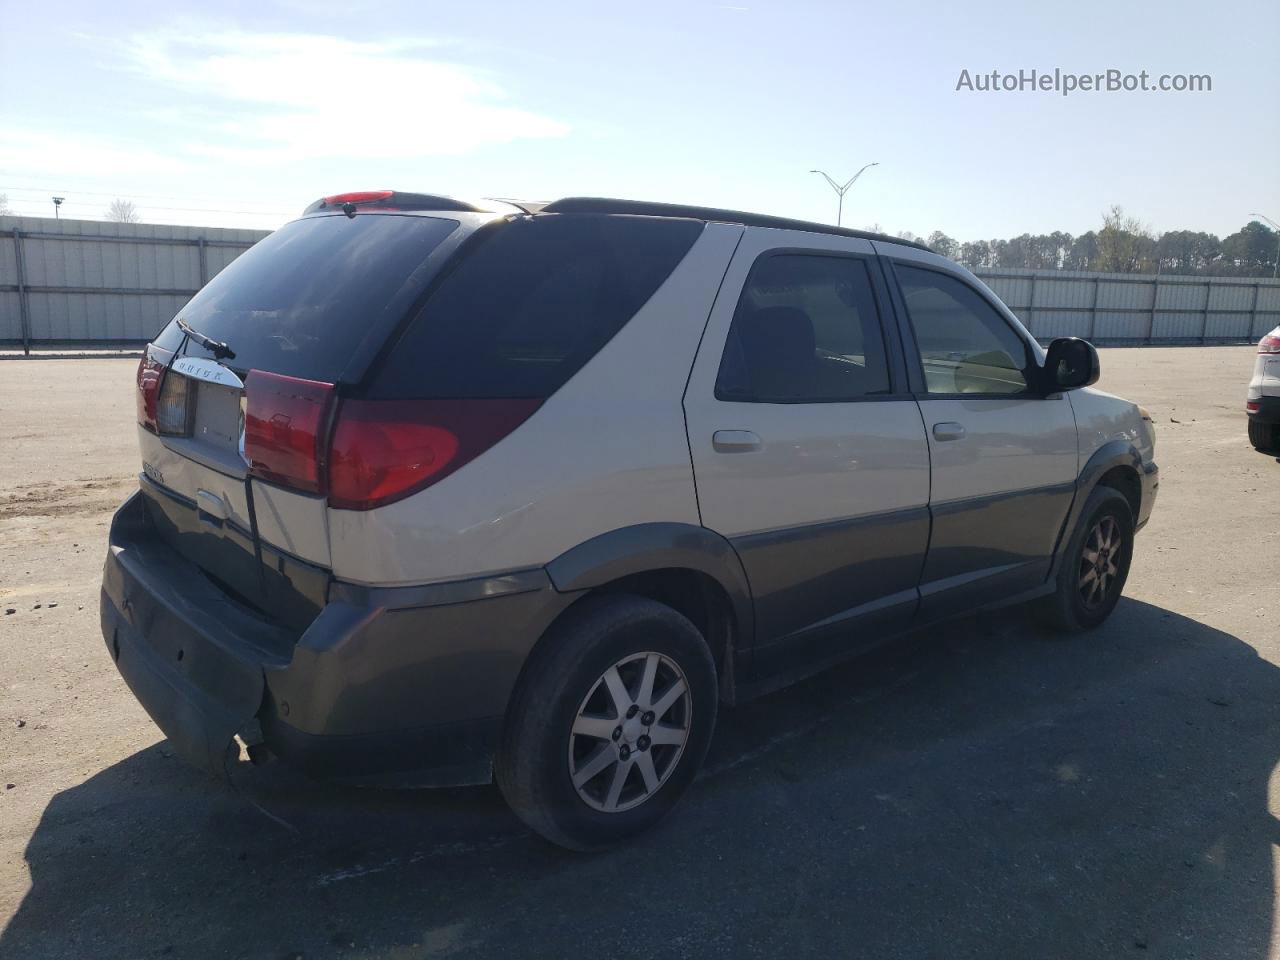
[385, 450]
[1269, 344]
[285, 420]
[1252, 406]
[150, 375]
[357, 197]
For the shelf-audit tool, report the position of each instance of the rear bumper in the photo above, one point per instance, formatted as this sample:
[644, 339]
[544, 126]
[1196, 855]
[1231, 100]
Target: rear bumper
[1268, 409]
[399, 686]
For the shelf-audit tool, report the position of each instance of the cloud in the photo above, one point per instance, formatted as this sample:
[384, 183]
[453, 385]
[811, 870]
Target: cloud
[281, 98]
[51, 153]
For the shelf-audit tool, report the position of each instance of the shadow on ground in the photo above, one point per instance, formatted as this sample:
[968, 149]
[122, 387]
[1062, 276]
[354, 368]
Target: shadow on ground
[988, 791]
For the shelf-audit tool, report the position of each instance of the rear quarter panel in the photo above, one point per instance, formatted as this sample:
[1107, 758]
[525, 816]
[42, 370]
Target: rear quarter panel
[607, 450]
[1266, 374]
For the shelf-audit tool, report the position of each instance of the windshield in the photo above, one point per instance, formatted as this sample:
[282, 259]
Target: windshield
[301, 300]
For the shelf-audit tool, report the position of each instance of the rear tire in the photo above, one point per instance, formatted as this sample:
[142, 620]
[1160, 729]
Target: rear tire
[1094, 566]
[1265, 437]
[609, 723]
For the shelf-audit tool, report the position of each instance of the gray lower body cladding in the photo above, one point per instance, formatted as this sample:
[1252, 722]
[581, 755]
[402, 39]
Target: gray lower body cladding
[403, 686]
[1268, 410]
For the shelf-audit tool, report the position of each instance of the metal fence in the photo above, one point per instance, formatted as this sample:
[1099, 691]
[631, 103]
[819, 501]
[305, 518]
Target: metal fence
[1126, 308]
[87, 282]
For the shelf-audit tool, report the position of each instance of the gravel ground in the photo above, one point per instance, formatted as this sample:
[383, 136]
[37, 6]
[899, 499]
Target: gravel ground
[983, 791]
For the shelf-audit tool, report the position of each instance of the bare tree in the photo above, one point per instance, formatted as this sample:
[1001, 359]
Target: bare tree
[1125, 244]
[123, 211]
[4, 205]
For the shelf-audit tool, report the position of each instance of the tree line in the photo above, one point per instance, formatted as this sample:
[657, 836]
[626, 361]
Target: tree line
[1122, 245]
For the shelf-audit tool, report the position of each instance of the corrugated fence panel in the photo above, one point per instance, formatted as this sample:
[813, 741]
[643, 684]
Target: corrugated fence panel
[10, 316]
[1227, 326]
[1050, 323]
[93, 281]
[1138, 308]
[1125, 295]
[145, 273]
[1234, 297]
[8, 261]
[1120, 326]
[1177, 326]
[1064, 293]
[1014, 291]
[1182, 296]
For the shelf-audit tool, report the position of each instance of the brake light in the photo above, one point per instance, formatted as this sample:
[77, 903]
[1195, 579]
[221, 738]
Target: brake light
[1252, 406]
[285, 421]
[357, 197]
[385, 450]
[1269, 344]
[150, 375]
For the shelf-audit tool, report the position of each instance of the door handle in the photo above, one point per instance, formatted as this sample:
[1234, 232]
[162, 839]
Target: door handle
[735, 441]
[948, 431]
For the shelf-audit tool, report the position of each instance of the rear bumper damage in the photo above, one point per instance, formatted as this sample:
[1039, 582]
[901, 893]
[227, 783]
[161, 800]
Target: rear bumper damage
[389, 686]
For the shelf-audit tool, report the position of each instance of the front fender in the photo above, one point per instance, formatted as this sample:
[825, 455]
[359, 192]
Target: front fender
[1114, 453]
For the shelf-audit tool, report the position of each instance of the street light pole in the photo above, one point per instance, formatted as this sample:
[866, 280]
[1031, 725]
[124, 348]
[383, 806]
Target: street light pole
[1275, 267]
[842, 190]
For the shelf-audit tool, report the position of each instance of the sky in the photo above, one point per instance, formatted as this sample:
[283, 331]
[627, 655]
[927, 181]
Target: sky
[242, 113]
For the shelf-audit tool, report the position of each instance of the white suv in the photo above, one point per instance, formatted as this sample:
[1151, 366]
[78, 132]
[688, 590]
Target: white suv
[1263, 401]
[439, 493]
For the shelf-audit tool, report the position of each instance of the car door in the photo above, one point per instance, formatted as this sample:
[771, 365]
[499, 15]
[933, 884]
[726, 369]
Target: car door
[809, 454]
[1004, 457]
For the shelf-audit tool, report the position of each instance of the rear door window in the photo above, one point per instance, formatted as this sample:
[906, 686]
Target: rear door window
[806, 330]
[300, 301]
[531, 303]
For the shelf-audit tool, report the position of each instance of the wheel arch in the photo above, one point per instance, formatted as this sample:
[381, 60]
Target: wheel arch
[691, 569]
[1116, 464]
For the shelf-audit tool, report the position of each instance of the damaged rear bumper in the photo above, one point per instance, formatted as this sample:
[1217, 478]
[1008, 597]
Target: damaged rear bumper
[400, 686]
[193, 658]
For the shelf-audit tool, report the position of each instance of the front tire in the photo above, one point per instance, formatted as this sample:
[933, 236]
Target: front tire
[1095, 565]
[609, 723]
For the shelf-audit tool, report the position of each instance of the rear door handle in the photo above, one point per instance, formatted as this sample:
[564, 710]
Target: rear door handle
[948, 431]
[735, 441]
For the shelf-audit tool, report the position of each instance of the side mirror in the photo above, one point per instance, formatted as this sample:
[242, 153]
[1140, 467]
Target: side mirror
[1070, 363]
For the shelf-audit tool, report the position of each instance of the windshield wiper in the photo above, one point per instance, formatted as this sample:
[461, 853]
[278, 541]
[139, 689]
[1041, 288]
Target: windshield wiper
[219, 349]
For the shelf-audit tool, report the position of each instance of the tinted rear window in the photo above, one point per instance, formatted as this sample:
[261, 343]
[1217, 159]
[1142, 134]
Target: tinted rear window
[531, 303]
[302, 299]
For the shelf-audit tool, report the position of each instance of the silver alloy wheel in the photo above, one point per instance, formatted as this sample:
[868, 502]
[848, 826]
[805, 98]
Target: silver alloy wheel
[629, 732]
[1099, 561]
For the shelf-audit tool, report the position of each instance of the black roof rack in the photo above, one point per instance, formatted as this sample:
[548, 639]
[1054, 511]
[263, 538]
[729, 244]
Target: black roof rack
[645, 208]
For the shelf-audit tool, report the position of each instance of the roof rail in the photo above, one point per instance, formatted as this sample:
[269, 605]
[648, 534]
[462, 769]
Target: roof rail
[645, 208]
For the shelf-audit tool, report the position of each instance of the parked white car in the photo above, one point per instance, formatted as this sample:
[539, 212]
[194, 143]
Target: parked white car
[440, 493]
[1263, 401]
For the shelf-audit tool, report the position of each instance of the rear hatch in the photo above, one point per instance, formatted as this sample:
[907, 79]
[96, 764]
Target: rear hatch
[234, 392]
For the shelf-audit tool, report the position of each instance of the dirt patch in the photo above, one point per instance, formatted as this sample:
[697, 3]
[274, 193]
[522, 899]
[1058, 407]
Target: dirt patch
[77, 498]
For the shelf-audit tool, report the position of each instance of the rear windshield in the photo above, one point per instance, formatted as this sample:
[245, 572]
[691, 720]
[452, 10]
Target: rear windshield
[300, 301]
[531, 303]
